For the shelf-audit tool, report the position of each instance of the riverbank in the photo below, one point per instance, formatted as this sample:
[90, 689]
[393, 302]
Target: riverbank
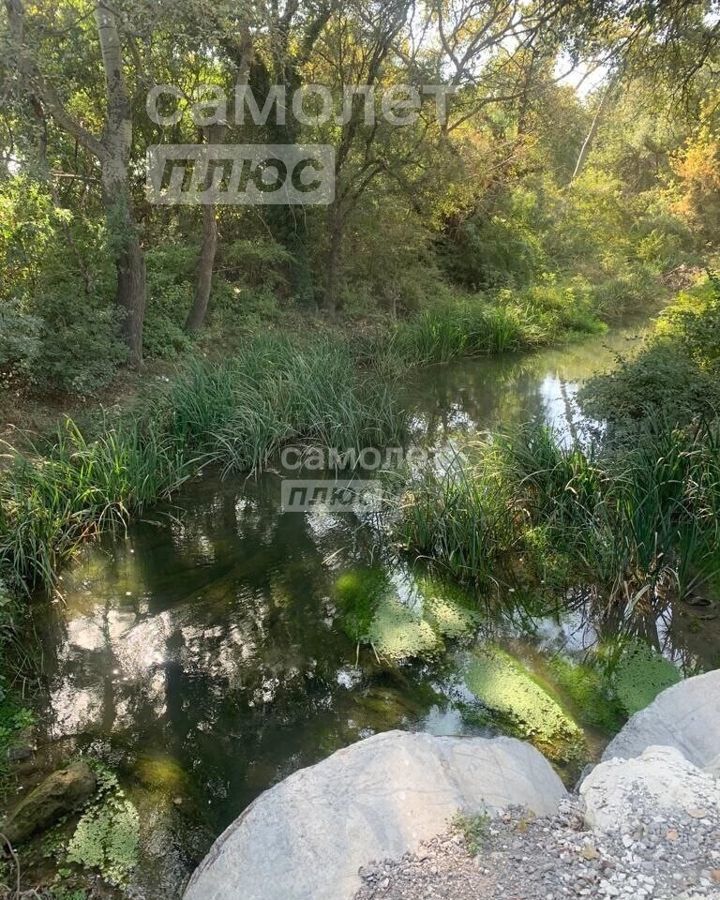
[625, 507]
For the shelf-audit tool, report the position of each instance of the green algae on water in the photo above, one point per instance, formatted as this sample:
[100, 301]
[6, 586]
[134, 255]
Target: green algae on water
[641, 675]
[372, 613]
[520, 706]
[592, 696]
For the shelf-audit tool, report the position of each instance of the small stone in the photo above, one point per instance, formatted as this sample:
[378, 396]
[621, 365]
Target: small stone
[715, 875]
[672, 835]
[697, 812]
[589, 852]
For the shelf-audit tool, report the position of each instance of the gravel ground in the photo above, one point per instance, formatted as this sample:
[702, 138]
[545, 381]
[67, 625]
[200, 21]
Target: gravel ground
[659, 856]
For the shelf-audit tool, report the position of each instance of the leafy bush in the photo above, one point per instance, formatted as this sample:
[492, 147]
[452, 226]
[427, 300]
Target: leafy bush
[170, 290]
[19, 338]
[675, 377]
[79, 349]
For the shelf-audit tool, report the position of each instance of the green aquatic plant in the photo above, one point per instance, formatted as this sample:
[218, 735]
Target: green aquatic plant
[107, 836]
[371, 613]
[358, 593]
[397, 632]
[641, 674]
[593, 697]
[509, 696]
[458, 517]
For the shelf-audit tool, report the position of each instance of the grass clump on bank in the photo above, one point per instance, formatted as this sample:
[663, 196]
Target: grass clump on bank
[676, 376]
[549, 312]
[237, 414]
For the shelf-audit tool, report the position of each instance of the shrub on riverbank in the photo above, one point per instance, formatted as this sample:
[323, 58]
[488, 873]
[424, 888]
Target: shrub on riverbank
[676, 376]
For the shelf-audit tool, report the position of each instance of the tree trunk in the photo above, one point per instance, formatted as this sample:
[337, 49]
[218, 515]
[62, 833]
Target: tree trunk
[333, 260]
[590, 138]
[117, 143]
[131, 296]
[206, 264]
[129, 256]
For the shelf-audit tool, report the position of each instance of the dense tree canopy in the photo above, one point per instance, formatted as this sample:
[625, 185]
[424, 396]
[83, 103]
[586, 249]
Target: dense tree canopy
[534, 140]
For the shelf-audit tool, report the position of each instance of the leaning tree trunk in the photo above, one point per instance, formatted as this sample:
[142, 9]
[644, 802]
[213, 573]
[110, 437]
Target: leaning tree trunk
[206, 264]
[595, 125]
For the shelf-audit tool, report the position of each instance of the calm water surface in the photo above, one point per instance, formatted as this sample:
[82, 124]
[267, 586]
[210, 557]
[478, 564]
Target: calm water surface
[202, 654]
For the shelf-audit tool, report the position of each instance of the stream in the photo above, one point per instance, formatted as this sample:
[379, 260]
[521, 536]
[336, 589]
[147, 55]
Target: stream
[203, 655]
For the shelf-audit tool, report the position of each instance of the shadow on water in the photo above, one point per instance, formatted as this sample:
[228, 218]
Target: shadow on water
[206, 655]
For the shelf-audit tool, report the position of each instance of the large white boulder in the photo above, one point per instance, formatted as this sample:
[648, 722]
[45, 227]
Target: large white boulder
[305, 838]
[685, 716]
[619, 792]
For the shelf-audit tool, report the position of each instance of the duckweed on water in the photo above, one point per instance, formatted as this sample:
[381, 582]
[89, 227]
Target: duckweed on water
[593, 698]
[372, 613]
[520, 706]
[641, 675]
[396, 632]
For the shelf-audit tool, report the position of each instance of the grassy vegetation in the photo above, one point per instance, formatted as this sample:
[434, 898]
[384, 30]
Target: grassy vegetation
[552, 311]
[677, 376]
[239, 412]
[237, 415]
[632, 522]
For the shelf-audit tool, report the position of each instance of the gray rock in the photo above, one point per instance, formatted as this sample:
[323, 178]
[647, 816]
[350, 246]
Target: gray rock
[306, 838]
[662, 780]
[60, 793]
[685, 716]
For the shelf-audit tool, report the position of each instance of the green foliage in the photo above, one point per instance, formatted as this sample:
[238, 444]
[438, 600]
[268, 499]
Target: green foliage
[238, 414]
[50, 503]
[19, 338]
[550, 311]
[675, 376]
[635, 522]
[57, 329]
[459, 517]
[492, 251]
[474, 828]
[80, 349]
[170, 291]
[107, 836]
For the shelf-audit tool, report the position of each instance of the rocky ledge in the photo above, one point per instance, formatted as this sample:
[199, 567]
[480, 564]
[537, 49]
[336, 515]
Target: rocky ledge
[645, 824]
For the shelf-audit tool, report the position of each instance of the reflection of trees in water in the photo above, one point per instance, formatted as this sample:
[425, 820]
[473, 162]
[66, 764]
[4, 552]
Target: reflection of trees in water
[213, 660]
[671, 629]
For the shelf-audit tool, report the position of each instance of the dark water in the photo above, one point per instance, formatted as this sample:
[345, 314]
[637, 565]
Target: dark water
[203, 656]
